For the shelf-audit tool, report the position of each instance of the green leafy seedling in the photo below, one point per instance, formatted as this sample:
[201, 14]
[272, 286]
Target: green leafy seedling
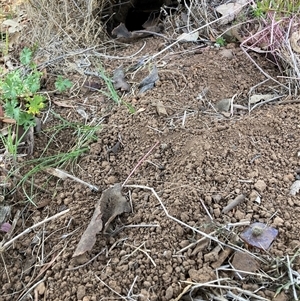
[62, 84]
[220, 41]
[113, 94]
[26, 56]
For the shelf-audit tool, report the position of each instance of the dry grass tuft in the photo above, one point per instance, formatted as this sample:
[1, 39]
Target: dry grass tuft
[65, 25]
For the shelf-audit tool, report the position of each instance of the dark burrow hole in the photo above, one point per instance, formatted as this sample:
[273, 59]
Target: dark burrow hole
[134, 13]
[136, 19]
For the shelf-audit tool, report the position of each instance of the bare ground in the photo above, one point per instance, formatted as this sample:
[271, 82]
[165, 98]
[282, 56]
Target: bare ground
[201, 154]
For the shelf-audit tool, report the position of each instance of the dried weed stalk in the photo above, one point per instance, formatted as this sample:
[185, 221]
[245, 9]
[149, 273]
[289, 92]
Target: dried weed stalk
[275, 39]
[65, 25]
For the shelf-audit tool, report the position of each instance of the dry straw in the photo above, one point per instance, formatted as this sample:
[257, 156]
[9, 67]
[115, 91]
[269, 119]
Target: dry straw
[66, 24]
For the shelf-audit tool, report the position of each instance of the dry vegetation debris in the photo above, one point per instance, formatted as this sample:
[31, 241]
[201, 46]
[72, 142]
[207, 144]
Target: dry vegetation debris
[72, 38]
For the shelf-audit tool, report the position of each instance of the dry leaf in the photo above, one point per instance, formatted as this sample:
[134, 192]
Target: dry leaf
[259, 97]
[111, 204]
[160, 109]
[230, 10]
[119, 81]
[121, 31]
[63, 103]
[188, 37]
[149, 82]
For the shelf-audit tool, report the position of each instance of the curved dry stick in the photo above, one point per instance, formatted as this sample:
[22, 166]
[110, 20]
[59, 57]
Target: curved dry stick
[8, 243]
[234, 247]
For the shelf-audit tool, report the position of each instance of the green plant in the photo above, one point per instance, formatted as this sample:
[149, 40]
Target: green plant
[20, 98]
[62, 84]
[112, 93]
[220, 41]
[18, 92]
[283, 7]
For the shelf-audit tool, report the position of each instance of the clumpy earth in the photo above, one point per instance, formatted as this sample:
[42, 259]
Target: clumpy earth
[203, 159]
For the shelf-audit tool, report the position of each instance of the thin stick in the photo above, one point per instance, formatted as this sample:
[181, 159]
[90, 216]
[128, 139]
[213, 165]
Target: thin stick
[132, 285]
[236, 248]
[42, 271]
[5, 268]
[291, 277]
[193, 31]
[205, 208]
[212, 285]
[3, 247]
[109, 288]
[63, 175]
[194, 243]
[32, 287]
[139, 248]
[183, 118]
[239, 199]
[81, 266]
[140, 162]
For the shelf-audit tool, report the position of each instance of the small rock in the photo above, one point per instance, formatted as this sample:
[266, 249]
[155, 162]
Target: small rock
[217, 212]
[184, 243]
[260, 185]
[278, 222]
[160, 109]
[193, 274]
[111, 180]
[168, 254]
[184, 217]
[203, 275]
[288, 178]
[40, 289]
[144, 296]
[239, 215]
[208, 172]
[226, 53]
[169, 293]
[220, 178]
[244, 262]
[223, 105]
[253, 195]
[80, 292]
[147, 284]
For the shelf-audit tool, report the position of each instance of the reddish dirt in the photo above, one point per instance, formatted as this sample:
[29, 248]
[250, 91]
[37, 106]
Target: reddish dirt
[209, 157]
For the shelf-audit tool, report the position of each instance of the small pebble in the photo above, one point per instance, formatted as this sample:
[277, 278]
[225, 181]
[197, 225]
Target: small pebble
[260, 185]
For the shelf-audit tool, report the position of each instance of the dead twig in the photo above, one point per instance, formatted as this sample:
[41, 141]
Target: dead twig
[232, 246]
[28, 230]
[239, 199]
[140, 162]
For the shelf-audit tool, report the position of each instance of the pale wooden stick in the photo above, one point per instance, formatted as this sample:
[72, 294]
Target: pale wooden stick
[8, 243]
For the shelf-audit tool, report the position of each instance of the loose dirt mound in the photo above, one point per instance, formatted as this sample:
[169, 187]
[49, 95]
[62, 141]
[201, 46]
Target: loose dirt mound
[201, 155]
